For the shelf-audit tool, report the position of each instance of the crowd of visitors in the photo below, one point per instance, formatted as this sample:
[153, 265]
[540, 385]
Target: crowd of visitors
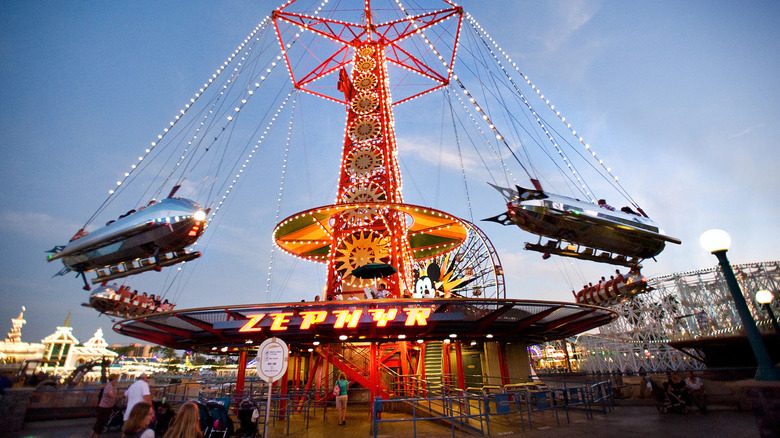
[144, 418]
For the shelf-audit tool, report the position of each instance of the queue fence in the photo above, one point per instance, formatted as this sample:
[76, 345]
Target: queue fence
[445, 408]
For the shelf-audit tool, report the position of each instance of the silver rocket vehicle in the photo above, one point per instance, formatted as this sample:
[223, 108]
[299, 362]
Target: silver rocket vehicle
[581, 229]
[150, 238]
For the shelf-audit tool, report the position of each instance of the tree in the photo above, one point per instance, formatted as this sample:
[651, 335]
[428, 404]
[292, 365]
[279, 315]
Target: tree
[123, 350]
[167, 353]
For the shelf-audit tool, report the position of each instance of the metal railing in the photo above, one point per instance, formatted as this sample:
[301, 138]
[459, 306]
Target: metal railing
[462, 412]
[56, 403]
[471, 409]
[475, 408]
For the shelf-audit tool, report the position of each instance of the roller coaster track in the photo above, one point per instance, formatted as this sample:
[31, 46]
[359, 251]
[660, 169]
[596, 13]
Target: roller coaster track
[682, 306]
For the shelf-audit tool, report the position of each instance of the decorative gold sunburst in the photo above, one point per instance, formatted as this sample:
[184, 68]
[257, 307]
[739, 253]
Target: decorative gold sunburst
[359, 249]
[363, 194]
[366, 51]
[364, 128]
[365, 64]
[365, 103]
[364, 161]
[365, 81]
[451, 278]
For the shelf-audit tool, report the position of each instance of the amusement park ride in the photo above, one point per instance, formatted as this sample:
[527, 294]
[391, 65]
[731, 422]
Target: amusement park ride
[150, 238]
[370, 223]
[580, 229]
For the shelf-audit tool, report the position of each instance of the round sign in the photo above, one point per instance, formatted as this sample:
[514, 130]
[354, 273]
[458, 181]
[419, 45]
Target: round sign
[272, 359]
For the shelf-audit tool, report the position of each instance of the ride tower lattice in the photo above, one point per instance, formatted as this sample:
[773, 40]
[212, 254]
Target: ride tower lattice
[369, 222]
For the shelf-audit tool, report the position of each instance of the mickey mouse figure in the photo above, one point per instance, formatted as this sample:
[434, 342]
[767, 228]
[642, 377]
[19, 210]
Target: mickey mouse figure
[425, 286]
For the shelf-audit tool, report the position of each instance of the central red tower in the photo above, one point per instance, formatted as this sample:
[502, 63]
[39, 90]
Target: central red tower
[369, 223]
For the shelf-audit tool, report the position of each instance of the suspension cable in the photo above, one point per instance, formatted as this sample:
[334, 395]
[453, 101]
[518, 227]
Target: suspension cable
[281, 191]
[148, 151]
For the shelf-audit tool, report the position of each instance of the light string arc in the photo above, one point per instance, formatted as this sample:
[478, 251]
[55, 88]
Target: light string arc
[281, 190]
[483, 34]
[176, 118]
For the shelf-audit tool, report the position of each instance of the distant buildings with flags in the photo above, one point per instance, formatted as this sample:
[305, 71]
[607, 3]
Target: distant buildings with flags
[60, 353]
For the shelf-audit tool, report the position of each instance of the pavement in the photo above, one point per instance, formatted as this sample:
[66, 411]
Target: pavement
[623, 421]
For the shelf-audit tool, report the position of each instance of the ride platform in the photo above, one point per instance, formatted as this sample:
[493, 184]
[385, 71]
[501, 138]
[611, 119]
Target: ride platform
[231, 328]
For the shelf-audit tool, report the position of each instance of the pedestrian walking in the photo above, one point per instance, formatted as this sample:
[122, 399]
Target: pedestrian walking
[138, 392]
[341, 399]
[105, 405]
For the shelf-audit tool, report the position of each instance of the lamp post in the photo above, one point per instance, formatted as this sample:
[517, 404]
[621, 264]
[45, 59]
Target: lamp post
[765, 298]
[717, 242]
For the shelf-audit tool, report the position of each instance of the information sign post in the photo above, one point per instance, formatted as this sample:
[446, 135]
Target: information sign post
[272, 356]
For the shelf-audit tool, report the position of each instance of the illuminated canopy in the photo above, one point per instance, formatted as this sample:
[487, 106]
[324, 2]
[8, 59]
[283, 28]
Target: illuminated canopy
[431, 232]
[389, 320]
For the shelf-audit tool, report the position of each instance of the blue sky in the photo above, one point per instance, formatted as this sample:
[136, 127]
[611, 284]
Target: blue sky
[679, 97]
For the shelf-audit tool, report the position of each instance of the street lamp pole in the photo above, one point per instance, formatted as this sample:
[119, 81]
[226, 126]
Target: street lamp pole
[765, 298]
[718, 242]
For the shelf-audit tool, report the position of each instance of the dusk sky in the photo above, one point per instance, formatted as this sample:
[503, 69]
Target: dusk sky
[680, 98]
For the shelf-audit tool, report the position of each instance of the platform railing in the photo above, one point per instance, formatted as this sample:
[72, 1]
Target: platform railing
[412, 385]
[449, 409]
[472, 410]
[55, 403]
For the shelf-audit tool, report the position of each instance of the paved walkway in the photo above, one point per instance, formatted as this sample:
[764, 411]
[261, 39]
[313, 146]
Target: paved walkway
[622, 422]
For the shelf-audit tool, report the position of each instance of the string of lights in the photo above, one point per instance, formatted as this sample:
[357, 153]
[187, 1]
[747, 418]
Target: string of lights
[485, 37]
[147, 151]
[281, 190]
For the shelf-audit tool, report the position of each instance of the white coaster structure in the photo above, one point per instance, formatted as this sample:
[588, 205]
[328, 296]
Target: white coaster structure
[681, 306]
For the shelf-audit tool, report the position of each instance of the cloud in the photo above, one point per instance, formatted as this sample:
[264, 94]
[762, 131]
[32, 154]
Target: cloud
[35, 224]
[748, 130]
[570, 17]
[422, 149]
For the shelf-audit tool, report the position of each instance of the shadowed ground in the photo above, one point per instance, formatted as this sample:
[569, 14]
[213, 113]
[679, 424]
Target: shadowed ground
[623, 421]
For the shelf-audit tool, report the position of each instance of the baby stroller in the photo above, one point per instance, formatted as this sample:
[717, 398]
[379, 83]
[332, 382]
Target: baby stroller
[116, 419]
[248, 427]
[215, 420]
[163, 417]
[668, 401]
